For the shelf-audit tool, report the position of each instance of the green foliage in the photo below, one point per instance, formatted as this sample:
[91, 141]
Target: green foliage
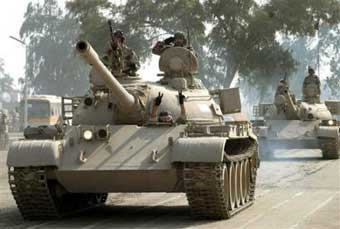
[231, 37]
[52, 67]
[6, 82]
[331, 50]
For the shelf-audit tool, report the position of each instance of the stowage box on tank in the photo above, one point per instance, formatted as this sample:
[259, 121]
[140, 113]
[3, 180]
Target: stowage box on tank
[129, 135]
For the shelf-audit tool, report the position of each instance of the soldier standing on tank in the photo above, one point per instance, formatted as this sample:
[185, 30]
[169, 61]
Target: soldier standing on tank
[311, 87]
[178, 40]
[279, 100]
[282, 87]
[121, 59]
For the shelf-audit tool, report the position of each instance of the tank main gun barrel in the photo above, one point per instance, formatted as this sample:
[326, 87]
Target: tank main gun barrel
[124, 98]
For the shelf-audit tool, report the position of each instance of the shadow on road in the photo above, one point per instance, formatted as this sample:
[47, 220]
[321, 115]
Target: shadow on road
[116, 216]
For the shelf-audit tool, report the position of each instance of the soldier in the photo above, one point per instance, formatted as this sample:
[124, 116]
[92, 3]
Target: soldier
[178, 40]
[282, 87]
[279, 100]
[121, 59]
[311, 87]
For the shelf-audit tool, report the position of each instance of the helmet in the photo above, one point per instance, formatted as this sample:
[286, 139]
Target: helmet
[310, 70]
[165, 116]
[179, 35]
[119, 34]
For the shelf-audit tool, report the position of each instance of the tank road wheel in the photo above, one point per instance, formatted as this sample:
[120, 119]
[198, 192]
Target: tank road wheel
[330, 149]
[219, 190]
[232, 187]
[40, 198]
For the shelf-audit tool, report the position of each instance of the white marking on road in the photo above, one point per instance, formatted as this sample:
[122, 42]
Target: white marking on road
[272, 208]
[286, 201]
[317, 208]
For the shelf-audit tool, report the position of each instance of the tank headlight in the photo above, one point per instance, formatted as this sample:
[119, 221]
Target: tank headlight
[88, 135]
[330, 122]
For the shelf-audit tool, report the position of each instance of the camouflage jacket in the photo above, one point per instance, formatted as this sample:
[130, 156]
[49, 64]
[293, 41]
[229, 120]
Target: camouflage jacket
[312, 81]
[122, 61]
[160, 46]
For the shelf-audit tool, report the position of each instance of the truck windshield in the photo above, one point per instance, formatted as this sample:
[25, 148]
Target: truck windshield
[38, 109]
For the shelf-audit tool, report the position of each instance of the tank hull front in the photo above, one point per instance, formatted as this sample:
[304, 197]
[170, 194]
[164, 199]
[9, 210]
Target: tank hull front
[121, 181]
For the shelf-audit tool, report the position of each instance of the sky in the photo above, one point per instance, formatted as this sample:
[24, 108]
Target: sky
[13, 53]
[11, 17]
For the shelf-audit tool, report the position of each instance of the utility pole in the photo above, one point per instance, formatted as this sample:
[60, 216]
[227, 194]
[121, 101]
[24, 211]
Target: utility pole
[317, 28]
[25, 78]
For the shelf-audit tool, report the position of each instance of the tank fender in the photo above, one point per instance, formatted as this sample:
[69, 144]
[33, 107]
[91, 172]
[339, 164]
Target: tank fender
[328, 132]
[34, 153]
[198, 149]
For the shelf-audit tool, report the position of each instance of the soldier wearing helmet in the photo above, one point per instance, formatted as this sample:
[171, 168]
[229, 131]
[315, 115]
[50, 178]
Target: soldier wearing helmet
[311, 87]
[178, 40]
[121, 59]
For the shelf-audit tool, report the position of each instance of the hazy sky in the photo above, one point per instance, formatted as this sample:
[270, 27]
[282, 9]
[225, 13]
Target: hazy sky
[13, 53]
[11, 17]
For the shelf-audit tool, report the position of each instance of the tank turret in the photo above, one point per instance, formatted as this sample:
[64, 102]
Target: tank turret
[123, 97]
[129, 135]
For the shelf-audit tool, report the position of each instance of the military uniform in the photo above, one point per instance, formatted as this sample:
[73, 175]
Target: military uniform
[122, 61]
[281, 88]
[311, 88]
[280, 101]
[160, 46]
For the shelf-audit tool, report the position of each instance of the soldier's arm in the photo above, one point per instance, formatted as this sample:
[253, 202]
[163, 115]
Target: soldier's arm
[132, 61]
[158, 48]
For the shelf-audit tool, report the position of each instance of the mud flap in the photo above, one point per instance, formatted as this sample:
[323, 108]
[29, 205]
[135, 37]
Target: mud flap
[34, 153]
[200, 149]
[328, 132]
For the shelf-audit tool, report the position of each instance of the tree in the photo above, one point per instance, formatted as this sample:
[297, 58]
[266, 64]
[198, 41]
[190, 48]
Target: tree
[6, 83]
[244, 33]
[53, 67]
[331, 49]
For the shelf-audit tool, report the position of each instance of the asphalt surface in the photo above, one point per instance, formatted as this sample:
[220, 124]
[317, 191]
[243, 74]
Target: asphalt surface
[298, 190]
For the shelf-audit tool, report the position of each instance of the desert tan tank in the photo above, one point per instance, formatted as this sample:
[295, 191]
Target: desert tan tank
[129, 135]
[294, 124]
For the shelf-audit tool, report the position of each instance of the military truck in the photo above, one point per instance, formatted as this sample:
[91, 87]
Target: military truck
[295, 124]
[116, 144]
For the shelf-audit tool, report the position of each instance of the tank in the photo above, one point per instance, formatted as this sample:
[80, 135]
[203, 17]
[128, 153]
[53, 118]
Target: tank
[121, 138]
[295, 124]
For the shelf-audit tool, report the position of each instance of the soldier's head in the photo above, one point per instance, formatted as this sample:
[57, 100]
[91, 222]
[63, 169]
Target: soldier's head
[165, 116]
[180, 39]
[310, 70]
[119, 36]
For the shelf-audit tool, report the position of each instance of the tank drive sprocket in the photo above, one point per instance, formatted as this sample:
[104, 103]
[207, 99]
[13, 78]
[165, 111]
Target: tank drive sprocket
[39, 198]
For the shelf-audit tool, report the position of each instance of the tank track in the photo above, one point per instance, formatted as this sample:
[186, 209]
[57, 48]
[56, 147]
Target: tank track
[220, 190]
[39, 198]
[330, 149]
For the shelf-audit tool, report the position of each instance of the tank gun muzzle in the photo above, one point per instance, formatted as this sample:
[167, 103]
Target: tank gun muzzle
[123, 97]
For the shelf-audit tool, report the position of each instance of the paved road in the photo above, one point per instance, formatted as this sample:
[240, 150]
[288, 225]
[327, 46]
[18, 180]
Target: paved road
[299, 190]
